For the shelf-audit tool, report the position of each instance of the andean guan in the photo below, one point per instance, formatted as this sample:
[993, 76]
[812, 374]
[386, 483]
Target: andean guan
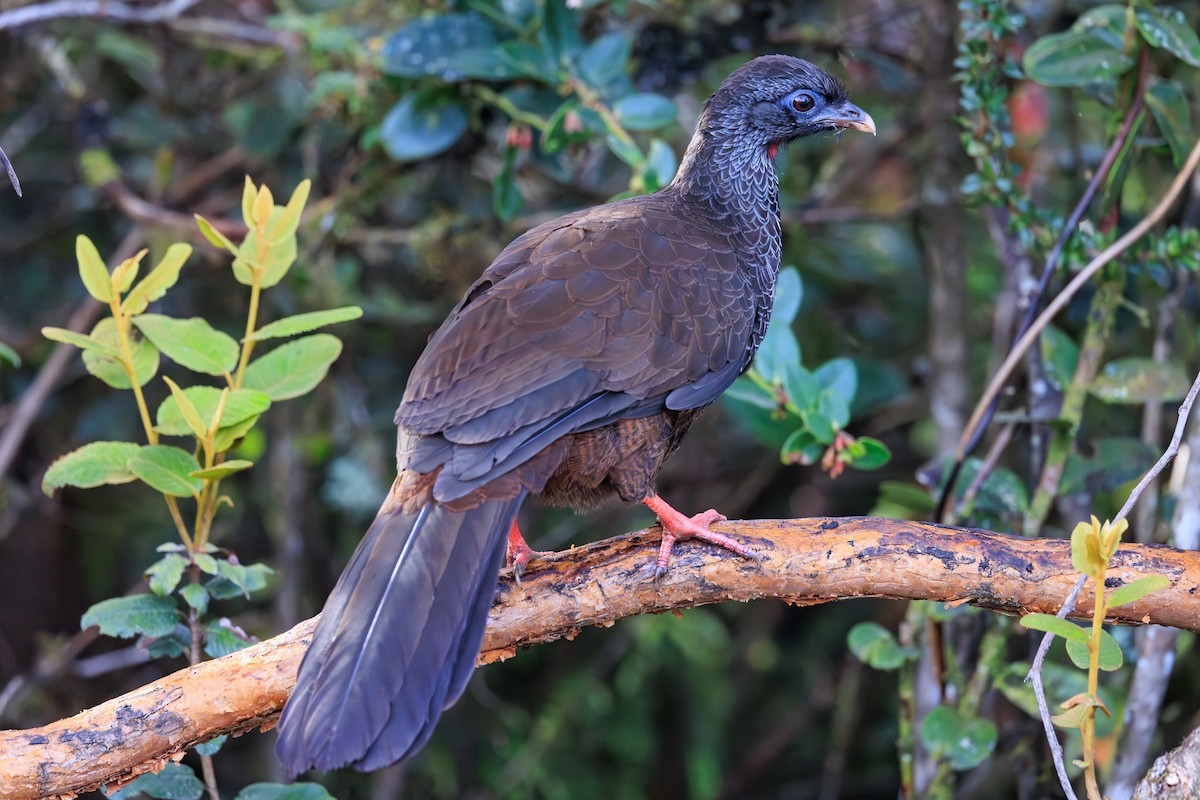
[570, 370]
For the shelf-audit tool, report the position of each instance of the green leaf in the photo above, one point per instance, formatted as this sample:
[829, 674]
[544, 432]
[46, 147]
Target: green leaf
[1075, 58]
[450, 47]
[277, 259]
[1168, 29]
[92, 270]
[423, 124]
[875, 646]
[963, 742]
[875, 454]
[295, 368]
[1052, 624]
[627, 151]
[506, 197]
[1060, 355]
[603, 62]
[801, 447]
[222, 470]
[206, 563]
[789, 291]
[839, 377]
[236, 580]
[1108, 21]
[779, 351]
[240, 405]
[196, 596]
[1172, 113]
[108, 368]
[214, 236]
[80, 340]
[285, 223]
[1137, 589]
[212, 746]
[172, 782]
[226, 437]
[221, 639]
[136, 615]
[173, 645]
[1085, 553]
[559, 33]
[1111, 657]
[801, 386]
[279, 791]
[10, 355]
[158, 281]
[644, 112]
[167, 469]
[165, 573]
[1114, 460]
[191, 415]
[94, 464]
[1140, 380]
[191, 343]
[661, 164]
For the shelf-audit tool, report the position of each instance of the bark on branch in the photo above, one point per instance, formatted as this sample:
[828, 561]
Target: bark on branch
[804, 562]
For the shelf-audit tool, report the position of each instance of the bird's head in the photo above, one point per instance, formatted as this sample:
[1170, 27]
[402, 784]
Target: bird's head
[772, 100]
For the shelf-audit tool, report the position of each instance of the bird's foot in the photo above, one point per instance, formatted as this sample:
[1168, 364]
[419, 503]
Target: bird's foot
[519, 553]
[676, 527]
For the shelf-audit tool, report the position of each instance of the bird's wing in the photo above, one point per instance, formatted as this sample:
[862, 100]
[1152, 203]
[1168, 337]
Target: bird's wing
[623, 311]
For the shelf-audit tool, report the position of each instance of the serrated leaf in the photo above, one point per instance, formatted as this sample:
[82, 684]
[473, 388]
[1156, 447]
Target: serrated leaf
[172, 782]
[278, 791]
[94, 464]
[293, 369]
[1137, 589]
[158, 281]
[303, 323]
[1168, 29]
[165, 573]
[875, 646]
[214, 236]
[240, 405]
[222, 470]
[220, 639]
[92, 270]
[80, 340]
[109, 368]
[1140, 380]
[136, 615]
[196, 596]
[1052, 624]
[166, 469]
[191, 343]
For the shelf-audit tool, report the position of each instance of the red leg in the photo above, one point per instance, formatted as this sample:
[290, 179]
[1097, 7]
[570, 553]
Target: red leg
[519, 552]
[677, 527]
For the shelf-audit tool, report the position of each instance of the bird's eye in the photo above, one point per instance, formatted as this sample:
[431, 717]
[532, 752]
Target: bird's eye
[803, 103]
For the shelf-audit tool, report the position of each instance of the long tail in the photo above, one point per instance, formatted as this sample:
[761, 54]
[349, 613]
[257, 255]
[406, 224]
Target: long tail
[398, 638]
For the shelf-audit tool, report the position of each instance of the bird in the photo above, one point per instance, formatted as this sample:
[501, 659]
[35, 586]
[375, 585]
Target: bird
[568, 371]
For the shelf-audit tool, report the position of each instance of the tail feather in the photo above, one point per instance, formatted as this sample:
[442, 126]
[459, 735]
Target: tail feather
[398, 638]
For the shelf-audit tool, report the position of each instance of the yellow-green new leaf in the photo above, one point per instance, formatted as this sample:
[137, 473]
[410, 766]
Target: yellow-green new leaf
[264, 204]
[214, 236]
[1059, 627]
[191, 416]
[1110, 656]
[167, 469]
[125, 273]
[241, 404]
[285, 223]
[1081, 554]
[160, 279]
[80, 340]
[92, 270]
[94, 464]
[223, 470]
[1136, 590]
[271, 265]
[249, 190]
[303, 323]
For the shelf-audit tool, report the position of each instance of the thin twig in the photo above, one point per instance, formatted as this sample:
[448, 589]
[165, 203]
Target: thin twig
[1060, 301]
[12, 173]
[99, 9]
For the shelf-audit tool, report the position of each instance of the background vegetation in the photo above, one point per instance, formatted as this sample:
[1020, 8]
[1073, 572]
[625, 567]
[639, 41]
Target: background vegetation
[433, 133]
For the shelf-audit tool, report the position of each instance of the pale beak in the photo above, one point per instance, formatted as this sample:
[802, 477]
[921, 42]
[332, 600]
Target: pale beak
[848, 115]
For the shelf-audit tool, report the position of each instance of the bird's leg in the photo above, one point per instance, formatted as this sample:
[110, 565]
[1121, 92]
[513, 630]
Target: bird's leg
[519, 552]
[677, 527]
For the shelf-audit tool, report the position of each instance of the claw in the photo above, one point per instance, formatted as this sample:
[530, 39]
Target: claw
[519, 553]
[676, 527]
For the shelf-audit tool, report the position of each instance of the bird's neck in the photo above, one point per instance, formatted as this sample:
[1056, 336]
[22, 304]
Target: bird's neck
[735, 186]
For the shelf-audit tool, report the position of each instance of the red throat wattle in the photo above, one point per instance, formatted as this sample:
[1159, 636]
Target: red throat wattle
[772, 149]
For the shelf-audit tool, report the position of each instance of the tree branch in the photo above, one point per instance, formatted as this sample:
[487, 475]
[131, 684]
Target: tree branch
[804, 562]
